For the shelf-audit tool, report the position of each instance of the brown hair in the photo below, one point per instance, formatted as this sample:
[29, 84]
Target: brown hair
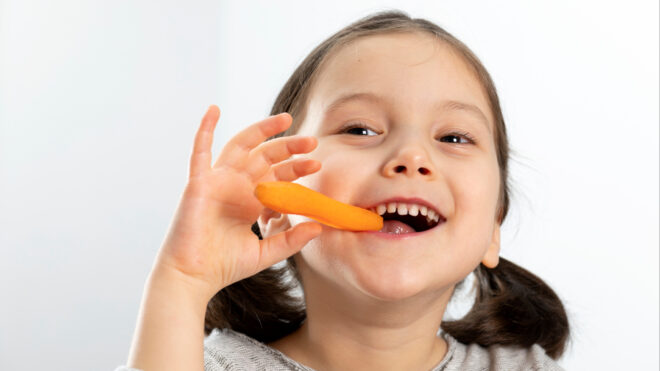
[512, 306]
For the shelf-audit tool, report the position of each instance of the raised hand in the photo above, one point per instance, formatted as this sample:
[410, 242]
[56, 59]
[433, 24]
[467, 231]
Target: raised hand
[210, 243]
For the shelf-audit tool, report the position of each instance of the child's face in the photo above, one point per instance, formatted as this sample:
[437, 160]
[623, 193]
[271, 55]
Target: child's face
[402, 154]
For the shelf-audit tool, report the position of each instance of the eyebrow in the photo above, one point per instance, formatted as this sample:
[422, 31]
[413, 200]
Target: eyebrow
[447, 105]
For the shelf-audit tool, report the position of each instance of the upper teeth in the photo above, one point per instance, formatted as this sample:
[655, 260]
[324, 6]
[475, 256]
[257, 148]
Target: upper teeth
[402, 208]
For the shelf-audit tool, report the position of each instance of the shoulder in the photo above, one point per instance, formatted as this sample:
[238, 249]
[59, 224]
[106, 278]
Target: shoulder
[497, 357]
[225, 349]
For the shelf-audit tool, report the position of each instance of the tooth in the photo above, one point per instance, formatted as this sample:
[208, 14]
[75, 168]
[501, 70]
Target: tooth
[436, 217]
[402, 209]
[414, 209]
[391, 207]
[431, 215]
[381, 209]
[423, 210]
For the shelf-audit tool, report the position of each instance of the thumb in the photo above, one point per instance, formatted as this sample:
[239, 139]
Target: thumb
[286, 243]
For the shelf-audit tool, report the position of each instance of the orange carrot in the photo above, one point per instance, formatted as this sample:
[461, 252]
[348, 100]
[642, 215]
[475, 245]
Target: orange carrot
[293, 198]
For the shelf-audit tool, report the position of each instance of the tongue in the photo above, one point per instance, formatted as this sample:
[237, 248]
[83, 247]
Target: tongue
[396, 227]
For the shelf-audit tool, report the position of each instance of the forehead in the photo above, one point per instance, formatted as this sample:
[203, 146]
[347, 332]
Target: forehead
[413, 69]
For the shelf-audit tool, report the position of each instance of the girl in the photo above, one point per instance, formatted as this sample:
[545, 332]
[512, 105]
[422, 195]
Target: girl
[391, 114]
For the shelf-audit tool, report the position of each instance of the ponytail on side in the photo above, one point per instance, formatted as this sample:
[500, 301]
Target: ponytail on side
[260, 306]
[513, 307]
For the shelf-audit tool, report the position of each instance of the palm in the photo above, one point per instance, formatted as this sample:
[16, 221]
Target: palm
[210, 239]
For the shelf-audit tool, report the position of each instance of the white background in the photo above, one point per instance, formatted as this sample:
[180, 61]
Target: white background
[100, 102]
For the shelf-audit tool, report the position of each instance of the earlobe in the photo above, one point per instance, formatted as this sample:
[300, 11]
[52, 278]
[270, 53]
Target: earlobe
[271, 222]
[492, 256]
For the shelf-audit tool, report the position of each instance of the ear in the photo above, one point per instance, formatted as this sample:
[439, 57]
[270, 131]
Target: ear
[492, 256]
[272, 222]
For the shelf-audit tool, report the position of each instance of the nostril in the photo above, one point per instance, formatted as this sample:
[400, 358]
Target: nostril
[402, 169]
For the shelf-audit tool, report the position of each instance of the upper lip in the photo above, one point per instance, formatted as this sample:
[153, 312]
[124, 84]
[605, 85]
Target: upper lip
[408, 200]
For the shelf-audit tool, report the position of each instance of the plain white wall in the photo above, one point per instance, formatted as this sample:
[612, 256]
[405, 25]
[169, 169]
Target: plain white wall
[99, 104]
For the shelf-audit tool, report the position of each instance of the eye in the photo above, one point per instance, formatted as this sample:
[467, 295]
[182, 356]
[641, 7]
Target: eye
[359, 129]
[456, 138]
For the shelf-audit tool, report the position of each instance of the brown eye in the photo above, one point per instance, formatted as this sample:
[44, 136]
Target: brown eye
[457, 138]
[358, 129]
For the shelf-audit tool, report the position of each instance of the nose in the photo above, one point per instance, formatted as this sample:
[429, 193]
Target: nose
[411, 160]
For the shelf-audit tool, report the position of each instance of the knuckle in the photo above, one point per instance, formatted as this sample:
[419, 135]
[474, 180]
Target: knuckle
[267, 158]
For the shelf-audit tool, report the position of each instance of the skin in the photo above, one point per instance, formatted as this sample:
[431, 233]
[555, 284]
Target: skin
[374, 303]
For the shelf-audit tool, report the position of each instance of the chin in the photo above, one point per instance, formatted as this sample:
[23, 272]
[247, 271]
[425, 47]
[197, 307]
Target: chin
[390, 286]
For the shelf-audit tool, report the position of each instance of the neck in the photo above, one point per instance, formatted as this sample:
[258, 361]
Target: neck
[350, 330]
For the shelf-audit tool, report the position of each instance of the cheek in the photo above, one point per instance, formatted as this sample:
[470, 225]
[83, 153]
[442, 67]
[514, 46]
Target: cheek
[475, 193]
[341, 176]
[324, 257]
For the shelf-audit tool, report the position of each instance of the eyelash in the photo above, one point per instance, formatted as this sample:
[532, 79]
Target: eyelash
[465, 135]
[355, 125]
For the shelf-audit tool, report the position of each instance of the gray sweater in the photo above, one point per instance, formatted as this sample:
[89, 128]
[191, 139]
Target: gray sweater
[226, 350]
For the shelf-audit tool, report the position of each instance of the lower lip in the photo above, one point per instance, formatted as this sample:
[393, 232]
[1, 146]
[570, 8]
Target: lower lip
[402, 236]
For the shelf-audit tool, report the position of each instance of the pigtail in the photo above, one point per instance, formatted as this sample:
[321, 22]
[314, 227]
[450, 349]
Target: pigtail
[513, 307]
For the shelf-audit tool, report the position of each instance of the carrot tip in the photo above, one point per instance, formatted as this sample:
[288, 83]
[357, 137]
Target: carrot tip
[293, 198]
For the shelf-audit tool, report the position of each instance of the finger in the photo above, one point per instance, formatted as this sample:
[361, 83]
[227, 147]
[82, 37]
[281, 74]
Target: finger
[264, 156]
[287, 243]
[201, 157]
[235, 152]
[291, 170]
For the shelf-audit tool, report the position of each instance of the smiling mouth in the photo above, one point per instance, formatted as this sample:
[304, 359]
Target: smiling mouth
[402, 224]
